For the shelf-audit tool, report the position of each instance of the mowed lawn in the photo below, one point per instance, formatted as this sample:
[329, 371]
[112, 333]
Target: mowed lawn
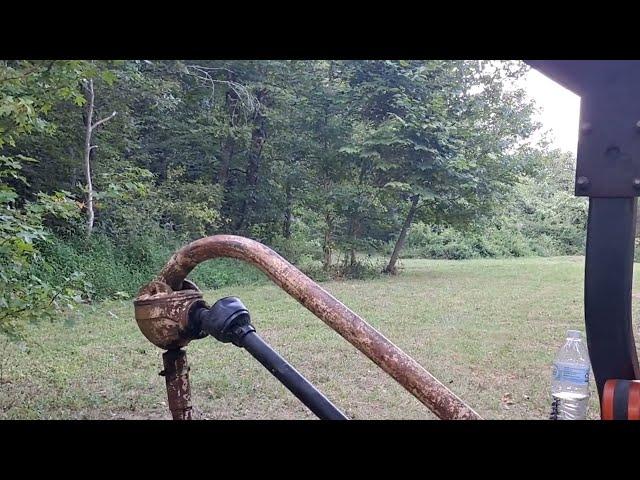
[488, 329]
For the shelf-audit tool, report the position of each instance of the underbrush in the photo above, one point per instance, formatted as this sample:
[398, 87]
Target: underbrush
[113, 269]
[424, 241]
[118, 271]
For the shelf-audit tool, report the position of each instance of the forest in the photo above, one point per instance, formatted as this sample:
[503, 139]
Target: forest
[343, 167]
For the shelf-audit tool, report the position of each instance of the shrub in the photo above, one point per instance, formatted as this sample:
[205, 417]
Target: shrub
[363, 269]
[25, 292]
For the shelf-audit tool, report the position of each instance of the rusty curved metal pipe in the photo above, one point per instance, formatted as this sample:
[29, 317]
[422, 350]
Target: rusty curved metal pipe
[404, 369]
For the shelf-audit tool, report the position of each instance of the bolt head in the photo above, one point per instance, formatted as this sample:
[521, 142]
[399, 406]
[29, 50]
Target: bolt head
[638, 126]
[636, 183]
[586, 127]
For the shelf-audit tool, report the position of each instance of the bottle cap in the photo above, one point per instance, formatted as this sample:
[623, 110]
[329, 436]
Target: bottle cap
[574, 334]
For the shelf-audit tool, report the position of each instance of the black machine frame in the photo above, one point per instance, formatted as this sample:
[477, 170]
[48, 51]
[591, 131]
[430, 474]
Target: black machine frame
[608, 172]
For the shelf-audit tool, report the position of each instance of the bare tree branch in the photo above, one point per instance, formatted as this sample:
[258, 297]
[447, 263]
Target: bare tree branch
[247, 99]
[89, 128]
[103, 120]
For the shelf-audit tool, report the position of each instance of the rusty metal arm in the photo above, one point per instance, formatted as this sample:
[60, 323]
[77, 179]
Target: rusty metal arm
[404, 369]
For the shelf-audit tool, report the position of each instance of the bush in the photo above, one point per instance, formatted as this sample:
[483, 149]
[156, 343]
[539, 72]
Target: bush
[363, 269]
[25, 292]
[109, 268]
[538, 217]
[224, 272]
[448, 243]
[298, 248]
[118, 270]
[313, 268]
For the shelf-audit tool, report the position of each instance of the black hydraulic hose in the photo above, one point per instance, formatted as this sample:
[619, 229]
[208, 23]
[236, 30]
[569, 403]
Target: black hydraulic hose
[290, 378]
[229, 321]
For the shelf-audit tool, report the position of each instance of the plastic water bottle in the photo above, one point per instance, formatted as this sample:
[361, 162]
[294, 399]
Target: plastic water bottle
[570, 387]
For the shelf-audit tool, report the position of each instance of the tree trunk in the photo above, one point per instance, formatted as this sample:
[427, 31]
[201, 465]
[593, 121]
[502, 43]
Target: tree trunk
[326, 246]
[227, 156]
[356, 230]
[286, 227]
[89, 129]
[231, 101]
[258, 137]
[87, 155]
[391, 267]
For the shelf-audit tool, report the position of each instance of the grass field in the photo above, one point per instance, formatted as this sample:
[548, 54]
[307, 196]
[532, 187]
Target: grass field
[488, 329]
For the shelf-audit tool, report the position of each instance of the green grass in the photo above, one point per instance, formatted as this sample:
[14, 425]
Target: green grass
[485, 328]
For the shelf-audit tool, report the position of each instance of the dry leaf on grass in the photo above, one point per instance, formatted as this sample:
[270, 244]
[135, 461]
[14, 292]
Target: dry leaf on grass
[506, 400]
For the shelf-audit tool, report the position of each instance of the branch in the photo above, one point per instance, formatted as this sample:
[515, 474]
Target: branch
[103, 120]
[28, 72]
[248, 101]
[14, 312]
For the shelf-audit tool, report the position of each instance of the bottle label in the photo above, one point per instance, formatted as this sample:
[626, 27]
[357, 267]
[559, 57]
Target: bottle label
[571, 373]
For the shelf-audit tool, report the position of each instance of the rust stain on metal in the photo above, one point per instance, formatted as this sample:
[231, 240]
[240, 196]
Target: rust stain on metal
[176, 374]
[404, 369]
[162, 314]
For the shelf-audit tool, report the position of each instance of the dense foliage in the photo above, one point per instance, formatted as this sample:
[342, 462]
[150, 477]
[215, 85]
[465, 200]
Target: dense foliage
[107, 166]
[538, 216]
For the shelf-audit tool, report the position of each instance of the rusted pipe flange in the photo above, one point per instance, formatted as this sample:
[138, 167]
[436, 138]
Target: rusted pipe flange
[162, 314]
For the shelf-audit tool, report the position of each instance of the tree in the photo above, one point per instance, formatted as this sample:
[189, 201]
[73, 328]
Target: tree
[438, 134]
[90, 127]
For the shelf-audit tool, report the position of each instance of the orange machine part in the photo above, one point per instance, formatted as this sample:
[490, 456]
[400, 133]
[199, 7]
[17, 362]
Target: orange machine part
[627, 408]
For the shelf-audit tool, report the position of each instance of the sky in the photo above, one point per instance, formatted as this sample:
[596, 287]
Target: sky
[559, 109]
